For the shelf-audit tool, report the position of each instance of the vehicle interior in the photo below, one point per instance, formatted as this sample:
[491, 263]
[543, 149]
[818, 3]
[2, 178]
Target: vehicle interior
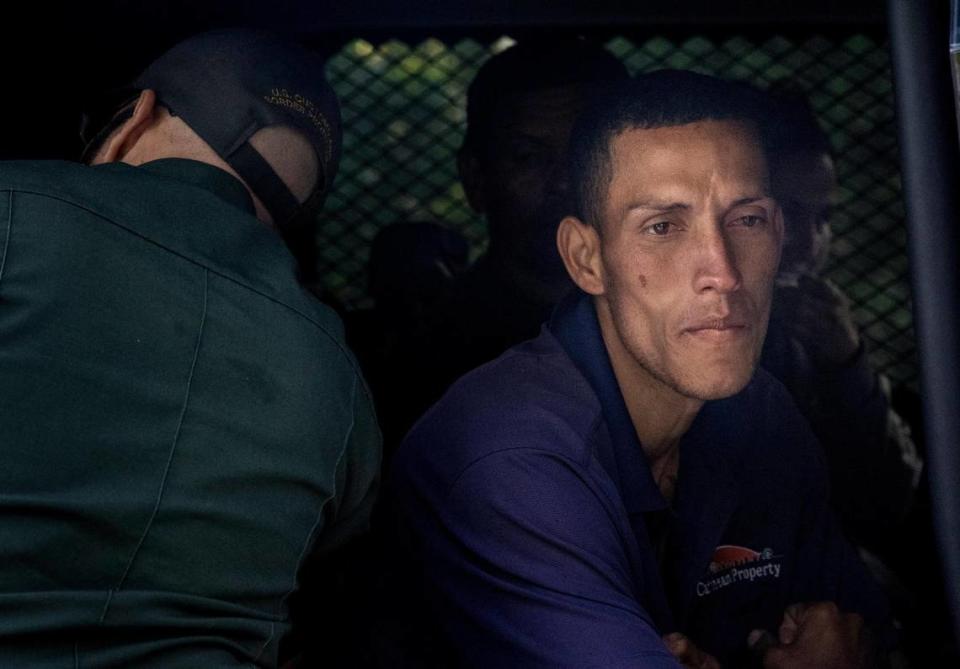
[876, 75]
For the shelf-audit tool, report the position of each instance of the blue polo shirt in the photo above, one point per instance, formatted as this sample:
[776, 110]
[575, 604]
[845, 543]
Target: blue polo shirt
[546, 542]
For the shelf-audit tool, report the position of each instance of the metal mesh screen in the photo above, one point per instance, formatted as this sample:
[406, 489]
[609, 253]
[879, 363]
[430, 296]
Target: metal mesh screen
[403, 108]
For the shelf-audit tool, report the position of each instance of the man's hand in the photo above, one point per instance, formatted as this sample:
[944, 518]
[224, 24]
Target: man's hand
[688, 654]
[815, 635]
[818, 314]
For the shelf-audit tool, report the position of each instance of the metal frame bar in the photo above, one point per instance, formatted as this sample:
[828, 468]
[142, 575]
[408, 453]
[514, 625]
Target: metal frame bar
[929, 147]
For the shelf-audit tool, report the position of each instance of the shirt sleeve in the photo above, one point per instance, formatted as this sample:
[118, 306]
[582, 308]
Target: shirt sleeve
[331, 577]
[358, 474]
[528, 561]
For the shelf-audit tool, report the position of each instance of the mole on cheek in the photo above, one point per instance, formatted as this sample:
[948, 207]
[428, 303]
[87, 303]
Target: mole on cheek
[643, 280]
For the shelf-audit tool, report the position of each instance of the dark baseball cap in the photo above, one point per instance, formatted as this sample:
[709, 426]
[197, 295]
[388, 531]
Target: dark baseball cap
[228, 84]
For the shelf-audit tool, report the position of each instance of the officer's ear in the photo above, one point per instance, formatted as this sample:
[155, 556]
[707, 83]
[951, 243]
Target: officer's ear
[579, 246]
[122, 140]
[471, 177]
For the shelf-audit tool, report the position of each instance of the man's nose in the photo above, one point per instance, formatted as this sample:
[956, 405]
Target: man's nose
[716, 264]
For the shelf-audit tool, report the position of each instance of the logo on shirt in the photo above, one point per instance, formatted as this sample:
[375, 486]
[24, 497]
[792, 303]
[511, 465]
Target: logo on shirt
[738, 564]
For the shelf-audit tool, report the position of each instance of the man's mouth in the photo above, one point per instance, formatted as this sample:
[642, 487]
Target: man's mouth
[718, 328]
[719, 324]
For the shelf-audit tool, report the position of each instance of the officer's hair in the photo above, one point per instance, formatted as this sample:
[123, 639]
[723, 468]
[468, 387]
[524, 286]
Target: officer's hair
[664, 98]
[530, 66]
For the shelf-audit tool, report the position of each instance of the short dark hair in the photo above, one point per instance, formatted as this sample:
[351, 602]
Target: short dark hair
[534, 65]
[659, 99]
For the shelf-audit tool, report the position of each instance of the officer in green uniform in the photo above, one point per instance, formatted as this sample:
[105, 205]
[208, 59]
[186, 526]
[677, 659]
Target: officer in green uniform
[182, 429]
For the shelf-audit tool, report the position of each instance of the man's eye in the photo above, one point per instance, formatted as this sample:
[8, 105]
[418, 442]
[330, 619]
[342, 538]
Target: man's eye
[659, 228]
[749, 221]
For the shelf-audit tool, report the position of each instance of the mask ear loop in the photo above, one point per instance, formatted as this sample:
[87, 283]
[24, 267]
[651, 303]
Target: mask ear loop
[299, 234]
[262, 180]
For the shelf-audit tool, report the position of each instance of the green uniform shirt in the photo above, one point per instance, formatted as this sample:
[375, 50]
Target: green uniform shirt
[180, 423]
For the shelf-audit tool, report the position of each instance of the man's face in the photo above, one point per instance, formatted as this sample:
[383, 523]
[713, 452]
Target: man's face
[805, 185]
[689, 247]
[524, 187]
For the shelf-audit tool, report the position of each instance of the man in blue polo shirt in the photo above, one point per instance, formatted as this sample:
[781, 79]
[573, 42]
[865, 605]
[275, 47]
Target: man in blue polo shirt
[623, 490]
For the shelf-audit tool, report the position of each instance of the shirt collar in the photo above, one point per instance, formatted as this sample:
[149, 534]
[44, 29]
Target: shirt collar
[228, 238]
[574, 323]
[203, 175]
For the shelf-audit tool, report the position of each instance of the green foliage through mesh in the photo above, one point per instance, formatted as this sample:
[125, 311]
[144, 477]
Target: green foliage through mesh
[403, 111]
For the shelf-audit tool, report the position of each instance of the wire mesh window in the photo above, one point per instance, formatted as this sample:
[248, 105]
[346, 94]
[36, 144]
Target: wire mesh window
[404, 112]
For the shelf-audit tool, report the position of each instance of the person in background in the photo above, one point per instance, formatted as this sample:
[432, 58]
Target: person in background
[521, 106]
[182, 428]
[411, 274]
[814, 346]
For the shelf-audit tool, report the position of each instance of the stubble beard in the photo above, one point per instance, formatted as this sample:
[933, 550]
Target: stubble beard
[658, 372]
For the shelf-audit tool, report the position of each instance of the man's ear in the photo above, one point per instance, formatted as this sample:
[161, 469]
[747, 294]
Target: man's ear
[579, 246]
[120, 142]
[471, 176]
